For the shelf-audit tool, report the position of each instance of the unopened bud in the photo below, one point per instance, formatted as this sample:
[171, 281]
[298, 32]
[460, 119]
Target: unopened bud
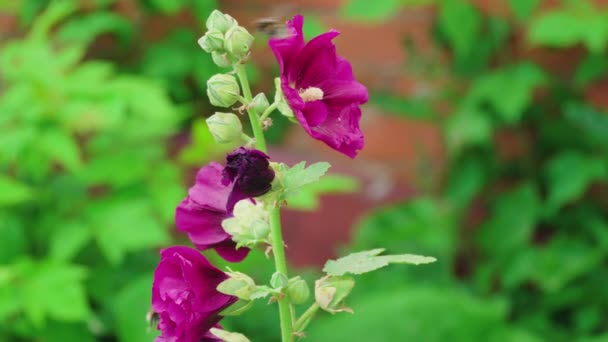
[213, 40]
[238, 42]
[239, 285]
[260, 103]
[238, 308]
[225, 127]
[331, 291]
[221, 59]
[278, 280]
[297, 290]
[249, 224]
[223, 90]
[282, 104]
[220, 21]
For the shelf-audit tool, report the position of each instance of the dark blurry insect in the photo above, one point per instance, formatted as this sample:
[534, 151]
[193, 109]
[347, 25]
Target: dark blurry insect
[152, 318]
[274, 24]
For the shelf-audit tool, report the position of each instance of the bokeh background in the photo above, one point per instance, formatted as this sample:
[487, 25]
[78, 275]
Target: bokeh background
[486, 146]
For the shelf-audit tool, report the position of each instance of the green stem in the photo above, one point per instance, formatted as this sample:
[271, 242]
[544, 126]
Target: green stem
[306, 317]
[268, 111]
[278, 248]
[258, 133]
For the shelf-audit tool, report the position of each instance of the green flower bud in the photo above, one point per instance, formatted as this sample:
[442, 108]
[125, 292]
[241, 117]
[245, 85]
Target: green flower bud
[221, 59]
[260, 103]
[220, 22]
[278, 280]
[282, 104]
[225, 127]
[238, 308]
[212, 41]
[331, 291]
[249, 224]
[223, 90]
[239, 285]
[238, 42]
[298, 290]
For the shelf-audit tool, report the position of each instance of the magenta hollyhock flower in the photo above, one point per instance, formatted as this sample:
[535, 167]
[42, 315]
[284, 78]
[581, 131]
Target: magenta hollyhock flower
[213, 196]
[320, 88]
[250, 172]
[201, 213]
[185, 298]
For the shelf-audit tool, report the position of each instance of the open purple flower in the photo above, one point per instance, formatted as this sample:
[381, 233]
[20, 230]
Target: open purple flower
[185, 298]
[320, 88]
[250, 172]
[213, 196]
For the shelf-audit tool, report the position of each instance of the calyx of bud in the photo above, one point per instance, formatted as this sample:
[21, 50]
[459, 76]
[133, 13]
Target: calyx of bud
[238, 42]
[223, 90]
[225, 127]
[297, 290]
[220, 22]
[213, 40]
[249, 224]
[331, 291]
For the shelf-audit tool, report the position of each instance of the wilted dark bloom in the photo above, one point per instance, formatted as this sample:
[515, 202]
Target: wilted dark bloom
[200, 215]
[184, 296]
[320, 88]
[249, 171]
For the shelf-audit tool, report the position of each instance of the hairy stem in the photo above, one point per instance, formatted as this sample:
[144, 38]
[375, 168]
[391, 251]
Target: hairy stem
[256, 126]
[268, 111]
[278, 249]
[306, 317]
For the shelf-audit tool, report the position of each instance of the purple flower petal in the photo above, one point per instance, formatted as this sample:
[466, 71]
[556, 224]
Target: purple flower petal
[184, 295]
[334, 116]
[200, 215]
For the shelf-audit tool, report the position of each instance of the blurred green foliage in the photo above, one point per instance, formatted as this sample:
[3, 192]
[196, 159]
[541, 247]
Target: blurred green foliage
[87, 190]
[519, 222]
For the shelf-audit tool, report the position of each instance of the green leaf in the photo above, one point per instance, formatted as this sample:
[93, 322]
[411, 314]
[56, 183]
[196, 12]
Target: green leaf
[512, 222]
[69, 239]
[592, 123]
[130, 307]
[591, 68]
[13, 238]
[568, 175]
[61, 147]
[123, 226]
[55, 290]
[86, 28]
[434, 314]
[202, 146]
[61, 332]
[511, 102]
[12, 192]
[299, 175]
[169, 7]
[361, 10]
[565, 28]
[461, 23]
[367, 261]
[308, 196]
[313, 27]
[523, 8]
[229, 336]
[466, 127]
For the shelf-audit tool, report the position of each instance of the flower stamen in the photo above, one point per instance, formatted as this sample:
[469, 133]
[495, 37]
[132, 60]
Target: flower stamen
[311, 94]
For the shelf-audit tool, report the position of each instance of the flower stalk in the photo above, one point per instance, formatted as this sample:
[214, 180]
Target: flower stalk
[278, 248]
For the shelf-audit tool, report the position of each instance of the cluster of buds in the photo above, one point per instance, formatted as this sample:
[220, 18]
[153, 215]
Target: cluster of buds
[225, 40]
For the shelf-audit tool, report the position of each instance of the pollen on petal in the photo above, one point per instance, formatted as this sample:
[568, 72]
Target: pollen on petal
[311, 94]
